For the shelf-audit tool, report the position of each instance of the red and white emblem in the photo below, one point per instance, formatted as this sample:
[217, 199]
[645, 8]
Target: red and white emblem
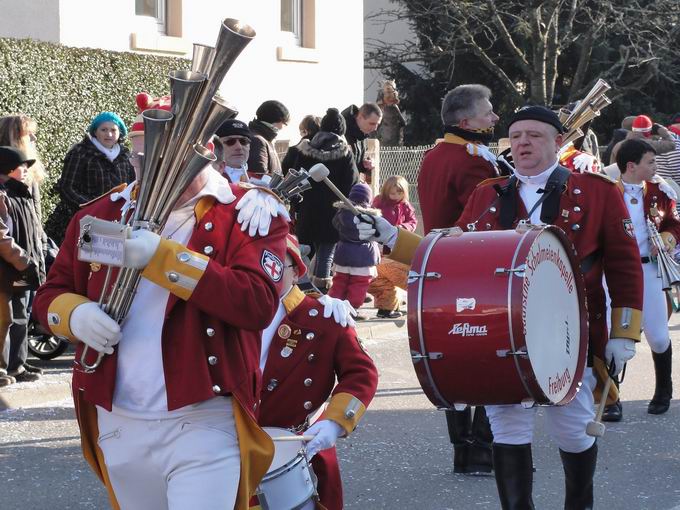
[628, 227]
[272, 265]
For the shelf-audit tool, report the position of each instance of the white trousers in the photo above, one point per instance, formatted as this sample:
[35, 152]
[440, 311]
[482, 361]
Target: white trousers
[513, 424]
[654, 310]
[187, 460]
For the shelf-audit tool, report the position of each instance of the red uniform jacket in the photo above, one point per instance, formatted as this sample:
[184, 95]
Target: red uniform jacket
[211, 336]
[316, 351]
[595, 219]
[660, 208]
[447, 178]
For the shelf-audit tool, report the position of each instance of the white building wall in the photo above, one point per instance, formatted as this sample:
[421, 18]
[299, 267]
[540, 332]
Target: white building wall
[336, 79]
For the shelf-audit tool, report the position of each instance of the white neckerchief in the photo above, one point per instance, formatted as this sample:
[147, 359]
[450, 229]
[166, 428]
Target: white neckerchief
[528, 191]
[111, 153]
[235, 174]
[637, 214]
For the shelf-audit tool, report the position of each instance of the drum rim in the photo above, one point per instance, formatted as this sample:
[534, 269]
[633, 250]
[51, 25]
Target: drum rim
[285, 468]
[583, 326]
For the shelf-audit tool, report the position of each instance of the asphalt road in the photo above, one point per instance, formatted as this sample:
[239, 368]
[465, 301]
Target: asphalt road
[399, 457]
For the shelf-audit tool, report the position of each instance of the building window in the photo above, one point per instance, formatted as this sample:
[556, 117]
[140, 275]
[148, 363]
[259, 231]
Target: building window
[291, 20]
[155, 9]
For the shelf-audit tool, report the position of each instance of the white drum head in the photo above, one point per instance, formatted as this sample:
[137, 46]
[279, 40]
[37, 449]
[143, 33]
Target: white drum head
[551, 316]
[284, 451]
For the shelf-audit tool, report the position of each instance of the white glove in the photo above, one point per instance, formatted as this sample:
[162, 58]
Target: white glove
[617, 352]
[584, 162]
[326, 433]
[94, 328]
[481, 151]
[140, 247]
[256, 210]
[379, 230]
[340, 309]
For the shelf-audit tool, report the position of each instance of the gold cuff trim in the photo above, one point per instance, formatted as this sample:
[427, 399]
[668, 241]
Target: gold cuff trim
[626, 323]
[405, 246]
[59, 313]
[176, 268]
[346, 410]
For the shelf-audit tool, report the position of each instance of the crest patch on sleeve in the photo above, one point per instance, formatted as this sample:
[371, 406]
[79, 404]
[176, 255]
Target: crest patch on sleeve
[628, 227]
[272, 265]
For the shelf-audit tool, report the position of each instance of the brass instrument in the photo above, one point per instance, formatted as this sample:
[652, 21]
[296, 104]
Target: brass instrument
[585, 111]
[667, 268]
[175, 152]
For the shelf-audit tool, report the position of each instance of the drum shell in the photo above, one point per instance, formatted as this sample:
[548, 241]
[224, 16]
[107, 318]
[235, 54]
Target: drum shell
[453, 368]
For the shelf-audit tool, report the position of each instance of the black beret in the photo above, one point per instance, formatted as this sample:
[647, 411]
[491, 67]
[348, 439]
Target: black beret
[11, 158]
[234, 127]
[539, 113]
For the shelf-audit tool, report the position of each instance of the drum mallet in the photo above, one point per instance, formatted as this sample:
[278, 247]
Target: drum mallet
[319, 173]
[293, 438]
[596, 428]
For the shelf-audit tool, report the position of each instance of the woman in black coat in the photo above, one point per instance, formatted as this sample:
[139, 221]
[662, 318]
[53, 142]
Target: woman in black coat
[314, 214]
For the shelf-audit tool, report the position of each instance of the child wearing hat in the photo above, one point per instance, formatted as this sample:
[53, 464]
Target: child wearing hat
[20, 261]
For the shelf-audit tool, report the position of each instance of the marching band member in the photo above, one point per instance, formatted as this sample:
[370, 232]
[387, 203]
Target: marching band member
[448, 175]
[303, 351]
[648, 198]
[590, 210]
[168, 418]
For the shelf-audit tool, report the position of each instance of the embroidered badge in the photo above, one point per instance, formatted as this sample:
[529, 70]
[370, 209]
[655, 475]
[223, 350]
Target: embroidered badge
[628, 227]
[272, 265]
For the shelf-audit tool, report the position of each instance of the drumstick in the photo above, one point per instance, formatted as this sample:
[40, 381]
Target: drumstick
[293, 438]
[596, 428]
[319, 173]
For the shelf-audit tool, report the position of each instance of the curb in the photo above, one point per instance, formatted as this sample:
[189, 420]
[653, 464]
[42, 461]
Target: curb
[50, 388]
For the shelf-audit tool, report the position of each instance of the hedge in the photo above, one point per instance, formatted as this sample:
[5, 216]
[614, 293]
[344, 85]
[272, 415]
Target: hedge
[63, 88]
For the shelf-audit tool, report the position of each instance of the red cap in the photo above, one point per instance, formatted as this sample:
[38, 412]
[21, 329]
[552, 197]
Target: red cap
[146, 102]
[293, 249]
[643, 124]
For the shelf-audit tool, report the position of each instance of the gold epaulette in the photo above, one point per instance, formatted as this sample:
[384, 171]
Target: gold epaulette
[604, 177]
[117, 189]
[492, 179]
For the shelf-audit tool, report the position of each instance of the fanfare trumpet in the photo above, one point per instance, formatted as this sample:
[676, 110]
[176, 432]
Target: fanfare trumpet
[667, 268]
[175, 152]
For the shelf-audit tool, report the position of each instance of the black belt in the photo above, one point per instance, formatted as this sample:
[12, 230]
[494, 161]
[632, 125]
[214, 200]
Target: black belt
[646, 260]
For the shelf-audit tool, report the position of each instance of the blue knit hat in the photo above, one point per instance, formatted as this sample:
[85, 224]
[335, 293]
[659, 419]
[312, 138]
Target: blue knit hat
[108, 117]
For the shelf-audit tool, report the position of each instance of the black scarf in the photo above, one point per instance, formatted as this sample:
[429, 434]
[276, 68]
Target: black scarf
[480, 136]
[262, 129]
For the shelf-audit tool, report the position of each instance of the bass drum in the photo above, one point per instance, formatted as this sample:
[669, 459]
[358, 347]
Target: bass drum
[497, 317]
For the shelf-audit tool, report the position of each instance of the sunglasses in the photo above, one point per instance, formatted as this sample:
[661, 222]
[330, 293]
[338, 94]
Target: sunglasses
[232, 141]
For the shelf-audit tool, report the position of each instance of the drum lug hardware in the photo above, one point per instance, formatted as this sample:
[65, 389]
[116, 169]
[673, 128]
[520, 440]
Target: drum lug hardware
[518, 271]
[416, 356]
[504, 353]
[413, 276]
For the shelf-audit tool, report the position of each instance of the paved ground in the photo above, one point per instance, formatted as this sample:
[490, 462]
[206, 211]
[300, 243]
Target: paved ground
[399, 458]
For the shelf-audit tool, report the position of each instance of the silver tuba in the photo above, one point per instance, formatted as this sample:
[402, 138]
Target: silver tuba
[175, 152]
[667, 268]
[585, 111]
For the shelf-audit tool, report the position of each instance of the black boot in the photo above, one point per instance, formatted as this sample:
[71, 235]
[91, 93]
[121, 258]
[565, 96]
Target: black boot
[663, 392]
[613, 412]
[480, 459]
[459, 423]
[579, 469]
[513, 468]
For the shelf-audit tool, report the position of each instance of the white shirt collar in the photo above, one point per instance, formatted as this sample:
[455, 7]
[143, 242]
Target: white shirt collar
[536, 180]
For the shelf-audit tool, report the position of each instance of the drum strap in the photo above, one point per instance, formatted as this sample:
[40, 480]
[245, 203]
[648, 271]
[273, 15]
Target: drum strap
[550, 198]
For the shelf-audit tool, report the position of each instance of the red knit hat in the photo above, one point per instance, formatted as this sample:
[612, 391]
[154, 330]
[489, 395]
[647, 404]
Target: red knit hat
[146, 102]
[293, 249]
[643, 124]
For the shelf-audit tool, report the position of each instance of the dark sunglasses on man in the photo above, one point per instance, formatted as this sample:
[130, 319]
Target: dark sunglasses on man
[230, 142]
